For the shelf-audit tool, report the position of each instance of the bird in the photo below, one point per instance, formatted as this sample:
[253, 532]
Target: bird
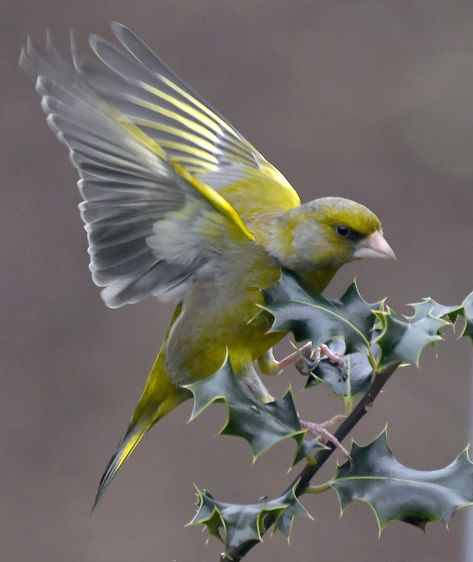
[178, 205]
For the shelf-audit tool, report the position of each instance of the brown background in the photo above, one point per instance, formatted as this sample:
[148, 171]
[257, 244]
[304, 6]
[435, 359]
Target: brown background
[369, 100]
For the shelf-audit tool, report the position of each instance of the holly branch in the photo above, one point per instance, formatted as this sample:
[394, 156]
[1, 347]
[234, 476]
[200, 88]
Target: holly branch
[374, 343]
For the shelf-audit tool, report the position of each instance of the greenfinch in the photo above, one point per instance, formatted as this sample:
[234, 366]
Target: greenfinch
[179, 205]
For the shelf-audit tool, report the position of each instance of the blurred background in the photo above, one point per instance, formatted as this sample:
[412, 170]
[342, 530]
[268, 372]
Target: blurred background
[371, 100]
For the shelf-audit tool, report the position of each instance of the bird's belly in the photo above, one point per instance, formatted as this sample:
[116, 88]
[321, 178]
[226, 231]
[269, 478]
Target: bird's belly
[214, 322]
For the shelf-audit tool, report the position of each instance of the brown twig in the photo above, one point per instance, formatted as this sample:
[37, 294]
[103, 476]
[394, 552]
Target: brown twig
[302, 481]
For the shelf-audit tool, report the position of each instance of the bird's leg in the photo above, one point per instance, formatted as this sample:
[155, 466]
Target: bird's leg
[305, 359]
[269, 365]
[250, 378]
[336, 358]
[320, 430]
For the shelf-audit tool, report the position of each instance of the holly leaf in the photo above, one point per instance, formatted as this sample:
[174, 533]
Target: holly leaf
[467, 312]
[236, 524]
[262, 425]
[433, 308]
[284, 521]
[308, 448]
[353, 378]
[310, 316]
[366, 330]
[402, 341]
[397, 492]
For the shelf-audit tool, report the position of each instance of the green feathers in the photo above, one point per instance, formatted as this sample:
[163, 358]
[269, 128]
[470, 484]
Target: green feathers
[320, 235]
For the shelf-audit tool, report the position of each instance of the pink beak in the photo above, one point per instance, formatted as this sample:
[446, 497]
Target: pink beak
[374, 246]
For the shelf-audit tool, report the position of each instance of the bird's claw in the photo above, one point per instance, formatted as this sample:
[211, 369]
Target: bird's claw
[336, 358]
[299, 357]
[319, 430]
[309, 359]
[306, 359]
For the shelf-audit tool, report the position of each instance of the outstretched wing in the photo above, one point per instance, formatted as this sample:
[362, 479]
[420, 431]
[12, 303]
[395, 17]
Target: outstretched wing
[142, 143]
[150, 226]
[193, 134]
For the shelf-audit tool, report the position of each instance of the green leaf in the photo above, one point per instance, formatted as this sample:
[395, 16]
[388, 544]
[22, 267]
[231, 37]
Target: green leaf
[397, 492]
[285, 519]
[349, 380]
[236, 524]
[370, 330]
[433, 308]
[468, 315]
[262, 425]
[437, 310]
[402, 341]
[310, 316]
[308, 448]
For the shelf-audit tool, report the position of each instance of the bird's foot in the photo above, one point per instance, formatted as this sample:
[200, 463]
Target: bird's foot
[306, 359]
[324, 351]
[321, 431]
[301, 358]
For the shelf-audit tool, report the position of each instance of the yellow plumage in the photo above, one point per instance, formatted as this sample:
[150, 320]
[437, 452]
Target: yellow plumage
[179, 205]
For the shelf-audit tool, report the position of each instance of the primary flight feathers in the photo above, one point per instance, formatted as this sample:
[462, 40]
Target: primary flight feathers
[152, 156]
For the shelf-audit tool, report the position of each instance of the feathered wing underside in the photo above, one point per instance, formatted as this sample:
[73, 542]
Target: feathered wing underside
[147, 226]
[143, 143]
[153, 97]
[193, 134]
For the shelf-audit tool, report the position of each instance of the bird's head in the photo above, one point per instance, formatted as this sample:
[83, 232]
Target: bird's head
[331, 231]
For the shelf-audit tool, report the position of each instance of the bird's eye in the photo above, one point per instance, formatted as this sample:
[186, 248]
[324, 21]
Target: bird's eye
[343, 231]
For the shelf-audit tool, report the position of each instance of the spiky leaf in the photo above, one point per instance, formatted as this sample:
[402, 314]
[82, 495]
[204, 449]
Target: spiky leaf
[435, 309]
[310, 316]
[308, 448]
[236, 524]
[262, 425]
[402, 341]
[285, 519]
[352, 378]
[397, 492]
[468, 315]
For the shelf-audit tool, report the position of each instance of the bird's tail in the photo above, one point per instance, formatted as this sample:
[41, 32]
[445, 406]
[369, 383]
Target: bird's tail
[159, 397]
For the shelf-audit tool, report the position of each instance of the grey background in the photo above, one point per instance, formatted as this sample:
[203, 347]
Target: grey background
[369, 100]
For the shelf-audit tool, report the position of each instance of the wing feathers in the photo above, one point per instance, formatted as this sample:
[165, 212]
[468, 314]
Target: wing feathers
[126, 188]
[143, 82]
[142, 141]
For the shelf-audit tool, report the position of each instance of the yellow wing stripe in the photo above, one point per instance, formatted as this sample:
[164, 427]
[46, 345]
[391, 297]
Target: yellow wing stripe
[196, 139]
[210, 123]
[132, 129]
[275, 175]
[196, 162]
[196, 155]
[215, 200]
[233, 149]
[198, 104]
[236, 142]
[176, 117]
[215, 123]
[199, 153]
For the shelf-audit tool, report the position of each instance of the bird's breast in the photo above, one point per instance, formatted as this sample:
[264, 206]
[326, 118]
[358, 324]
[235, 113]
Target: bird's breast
[223, 312]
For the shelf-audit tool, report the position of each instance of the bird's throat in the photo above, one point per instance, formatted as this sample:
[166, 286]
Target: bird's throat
[317, 280]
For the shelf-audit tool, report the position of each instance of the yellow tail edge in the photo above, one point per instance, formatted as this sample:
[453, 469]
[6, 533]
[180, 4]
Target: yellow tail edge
[159, 397]
[124, 449]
